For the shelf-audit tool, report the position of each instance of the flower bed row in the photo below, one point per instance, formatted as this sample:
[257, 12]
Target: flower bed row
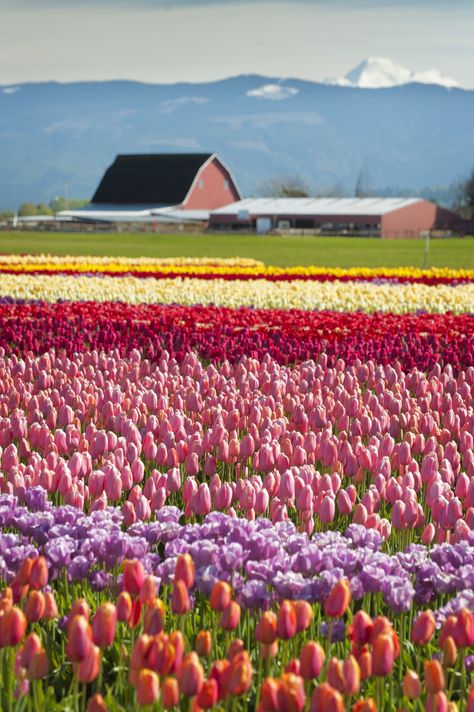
[420, 340]
[372, 445]
[235, 269]
[259, 293]
[173, 646]
[186, 273]
[263, 562]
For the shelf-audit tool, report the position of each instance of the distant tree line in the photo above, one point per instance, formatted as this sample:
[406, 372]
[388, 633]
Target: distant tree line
[466, 194]
[29, 209]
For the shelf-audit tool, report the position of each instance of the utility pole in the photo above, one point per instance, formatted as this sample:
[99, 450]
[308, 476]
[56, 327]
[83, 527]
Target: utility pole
[427, 250]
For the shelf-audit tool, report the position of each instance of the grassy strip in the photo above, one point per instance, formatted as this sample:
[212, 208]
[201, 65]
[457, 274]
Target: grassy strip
[271, 249]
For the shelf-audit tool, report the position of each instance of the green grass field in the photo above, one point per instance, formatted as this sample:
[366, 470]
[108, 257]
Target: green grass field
[277, 250]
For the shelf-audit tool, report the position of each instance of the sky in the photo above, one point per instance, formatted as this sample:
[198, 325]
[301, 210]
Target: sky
[165, 41]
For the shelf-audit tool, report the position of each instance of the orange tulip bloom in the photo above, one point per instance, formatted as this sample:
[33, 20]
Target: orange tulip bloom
[138, 658]
[79, 640]
[35, 606]
[6, 599]
[39, 573]
[133, 576]
[160, 656]
[203, 644]
[148, 687]
[351, 676]
[304, 615]
[335, 675]
[180, 601]
[124, 607]
[147, 593]
[383, 655]
[169, 693]
[13, 626]
[364, 659]
[184, 570]
[221, 596]
[103, 625]
[312, 658]
[230, 616]
[286, 620]
[154, 617]
[50, 606]
[434, 676]
[80, 607]
[269, 693]
[291, 695]
[208, 694]
[266, 628]
[338, 600]
[326, 699]
[177, 641]
[23, 574]
[411, 685]
[190, 675]
[423, 628]
[218, 672]
[88, 669]
[239, 674]
[450, 651]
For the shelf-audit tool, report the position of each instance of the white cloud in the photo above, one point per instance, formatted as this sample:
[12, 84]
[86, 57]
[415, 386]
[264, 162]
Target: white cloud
[172, 104]
[274, 92]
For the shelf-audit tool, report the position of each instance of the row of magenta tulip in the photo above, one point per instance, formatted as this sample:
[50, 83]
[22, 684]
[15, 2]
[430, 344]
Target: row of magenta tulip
[416, 340]
[161, 652]
[366, 444]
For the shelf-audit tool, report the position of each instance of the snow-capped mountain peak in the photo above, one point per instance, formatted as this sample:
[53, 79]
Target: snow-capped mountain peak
[379, 72]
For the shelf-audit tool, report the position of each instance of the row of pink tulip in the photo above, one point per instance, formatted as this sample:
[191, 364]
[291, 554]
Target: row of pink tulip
[374, 444]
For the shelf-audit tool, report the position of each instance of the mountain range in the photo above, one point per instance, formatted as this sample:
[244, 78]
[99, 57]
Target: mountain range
[59, 138]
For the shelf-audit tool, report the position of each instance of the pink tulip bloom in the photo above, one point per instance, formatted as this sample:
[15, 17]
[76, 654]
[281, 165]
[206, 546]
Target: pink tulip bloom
[201, 500]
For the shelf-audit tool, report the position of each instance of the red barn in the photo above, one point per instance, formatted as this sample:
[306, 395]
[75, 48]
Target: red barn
[168, 186]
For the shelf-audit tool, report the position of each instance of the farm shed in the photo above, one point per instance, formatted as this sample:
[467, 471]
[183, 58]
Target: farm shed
[378, 217]
[170, 187]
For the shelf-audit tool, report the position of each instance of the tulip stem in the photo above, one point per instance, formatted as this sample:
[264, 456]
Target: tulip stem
[11, 677]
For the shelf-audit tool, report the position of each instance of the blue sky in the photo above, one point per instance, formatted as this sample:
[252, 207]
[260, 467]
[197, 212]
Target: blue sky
[196, 40]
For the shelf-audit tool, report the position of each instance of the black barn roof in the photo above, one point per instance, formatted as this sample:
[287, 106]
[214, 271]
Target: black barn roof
[163, 178]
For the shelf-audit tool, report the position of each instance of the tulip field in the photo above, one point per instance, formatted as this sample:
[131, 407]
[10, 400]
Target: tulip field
[233, 486]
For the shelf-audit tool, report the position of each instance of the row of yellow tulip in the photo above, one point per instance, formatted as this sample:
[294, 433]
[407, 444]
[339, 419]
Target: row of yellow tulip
[261, 293]
[81, 262]
[205, 265]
